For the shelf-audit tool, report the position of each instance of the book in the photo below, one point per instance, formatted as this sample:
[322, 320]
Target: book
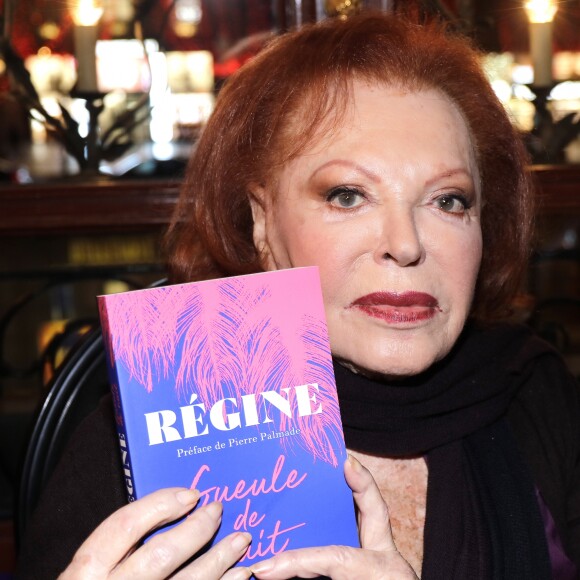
[227, 386]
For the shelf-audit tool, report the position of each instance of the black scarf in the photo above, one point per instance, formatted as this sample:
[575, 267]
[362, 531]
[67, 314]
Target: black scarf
[483, 520]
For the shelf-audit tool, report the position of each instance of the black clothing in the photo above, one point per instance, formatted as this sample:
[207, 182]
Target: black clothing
[498, 385]
[483, 519]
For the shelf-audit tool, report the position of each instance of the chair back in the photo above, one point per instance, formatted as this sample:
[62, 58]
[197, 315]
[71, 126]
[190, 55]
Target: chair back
[74, 392]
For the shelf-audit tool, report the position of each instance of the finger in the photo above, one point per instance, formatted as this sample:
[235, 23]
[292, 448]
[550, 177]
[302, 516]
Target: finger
[167, 551]
[336, 562]
[110, 543]
[215, 563]
[373, 514]
[238, 573]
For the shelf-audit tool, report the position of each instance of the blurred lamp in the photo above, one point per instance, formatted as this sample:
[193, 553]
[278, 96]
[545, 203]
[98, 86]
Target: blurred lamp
[540, 14]
[86, 15]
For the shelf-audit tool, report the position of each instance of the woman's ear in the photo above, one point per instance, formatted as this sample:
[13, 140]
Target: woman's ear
[258, 199]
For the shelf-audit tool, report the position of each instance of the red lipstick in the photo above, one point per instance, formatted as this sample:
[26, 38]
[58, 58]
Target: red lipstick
[398, 308]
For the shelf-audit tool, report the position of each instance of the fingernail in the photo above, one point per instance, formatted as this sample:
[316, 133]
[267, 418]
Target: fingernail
[241, 541]
[262, 567]
[187, 496]
[214, 509]
[354, 463]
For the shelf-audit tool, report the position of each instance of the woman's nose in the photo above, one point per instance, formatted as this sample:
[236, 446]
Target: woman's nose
[399, 241]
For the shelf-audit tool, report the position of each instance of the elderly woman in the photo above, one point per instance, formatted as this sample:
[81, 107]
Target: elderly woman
[376, 150]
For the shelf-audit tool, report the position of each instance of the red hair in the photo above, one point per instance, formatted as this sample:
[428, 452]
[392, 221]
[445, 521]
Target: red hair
[294, 91]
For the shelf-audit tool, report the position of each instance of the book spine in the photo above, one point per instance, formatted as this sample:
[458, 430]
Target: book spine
[120, 418]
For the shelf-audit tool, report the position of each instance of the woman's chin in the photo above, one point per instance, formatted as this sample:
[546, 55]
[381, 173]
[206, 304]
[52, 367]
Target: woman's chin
[379, 351]
[386, 368]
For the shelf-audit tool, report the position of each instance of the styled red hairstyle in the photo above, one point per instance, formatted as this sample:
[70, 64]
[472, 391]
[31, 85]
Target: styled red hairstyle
[295, 91]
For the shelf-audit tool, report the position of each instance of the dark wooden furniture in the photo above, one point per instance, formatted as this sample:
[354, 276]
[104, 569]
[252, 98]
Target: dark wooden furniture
[558, 189]
[73, 207]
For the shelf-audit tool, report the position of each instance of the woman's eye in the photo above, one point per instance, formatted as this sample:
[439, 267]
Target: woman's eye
[452, 203]
[345, 198]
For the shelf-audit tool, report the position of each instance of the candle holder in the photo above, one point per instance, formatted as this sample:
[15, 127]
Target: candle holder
[548, 139]
[87, 151]
[94, 102]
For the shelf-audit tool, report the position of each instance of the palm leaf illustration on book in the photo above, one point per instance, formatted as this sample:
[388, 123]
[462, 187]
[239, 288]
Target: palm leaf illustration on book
[227, 386]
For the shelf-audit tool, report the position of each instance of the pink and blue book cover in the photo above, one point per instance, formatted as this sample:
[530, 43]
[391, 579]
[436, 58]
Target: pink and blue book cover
[227, 386]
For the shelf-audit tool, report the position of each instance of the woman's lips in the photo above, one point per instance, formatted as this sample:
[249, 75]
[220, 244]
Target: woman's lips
[398, 308]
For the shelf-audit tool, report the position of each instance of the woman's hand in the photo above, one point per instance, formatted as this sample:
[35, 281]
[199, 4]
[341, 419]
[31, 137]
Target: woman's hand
[111, 550]
[377, 559]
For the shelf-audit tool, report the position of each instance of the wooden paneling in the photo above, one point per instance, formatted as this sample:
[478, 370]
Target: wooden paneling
[104, 206]
[558, 189]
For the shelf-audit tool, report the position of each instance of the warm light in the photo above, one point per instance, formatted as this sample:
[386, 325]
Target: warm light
[51, 73]
[87, 13]
[187, 17]
[86, 16]
[49, 30]
[540, 10]
[123, 64]
[502, 90]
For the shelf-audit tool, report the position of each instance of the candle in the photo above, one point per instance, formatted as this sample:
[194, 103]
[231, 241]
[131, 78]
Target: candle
[540, 14]
[86, 18]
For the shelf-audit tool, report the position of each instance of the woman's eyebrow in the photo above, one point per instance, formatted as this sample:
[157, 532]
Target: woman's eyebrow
[460, 171]
[350, 165]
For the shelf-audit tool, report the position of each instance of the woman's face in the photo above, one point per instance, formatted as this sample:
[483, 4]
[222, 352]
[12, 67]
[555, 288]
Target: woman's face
[388, 208]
